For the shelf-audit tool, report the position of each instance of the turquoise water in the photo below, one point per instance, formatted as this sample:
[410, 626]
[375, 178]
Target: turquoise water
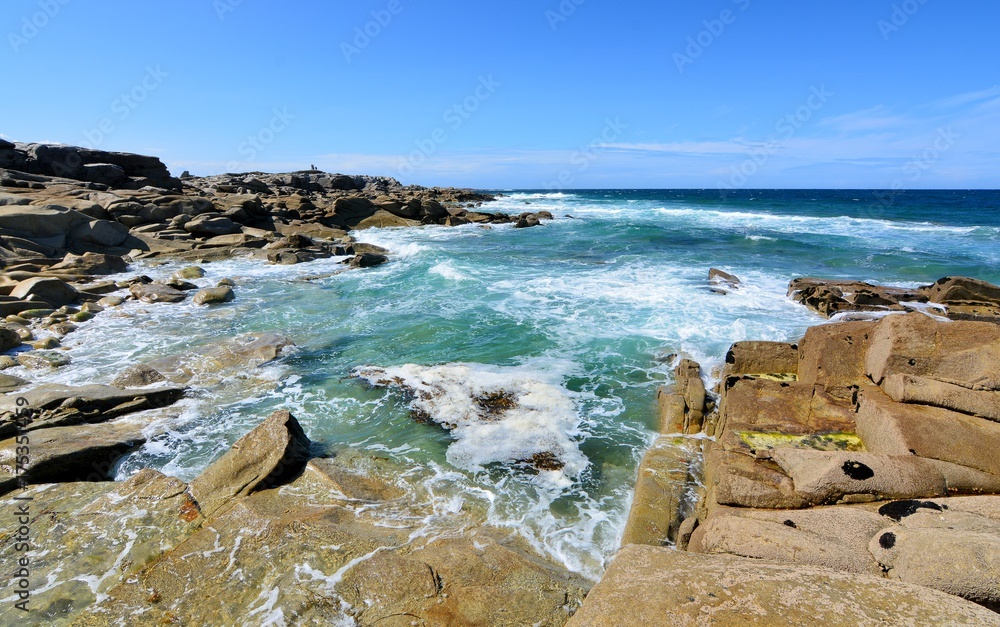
[576, 316]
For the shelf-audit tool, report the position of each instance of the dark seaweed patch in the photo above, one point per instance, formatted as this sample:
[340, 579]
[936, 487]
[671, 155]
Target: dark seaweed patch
[857, 471]
[898, 510]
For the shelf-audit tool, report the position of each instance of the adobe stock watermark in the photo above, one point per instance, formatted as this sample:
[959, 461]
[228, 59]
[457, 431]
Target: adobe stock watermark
[256, 143]
[454, 117]
[224, 7]
[714, 28]
[784, 129]
[563, 12]
[915, 168]
[21, 580]
[32, 25]
[364, 36]
[123, 106]
[585, 156]
[901, 14]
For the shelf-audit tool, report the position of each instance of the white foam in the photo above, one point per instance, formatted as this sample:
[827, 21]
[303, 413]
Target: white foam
[543, 418]
[448, 271]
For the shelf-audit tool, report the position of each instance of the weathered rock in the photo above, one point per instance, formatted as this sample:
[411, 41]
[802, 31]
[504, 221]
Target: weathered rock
[962, 291]
[273, 452]
[830, 297]
[111, 301]
[660, 491]
[834, 354]
[56, 405]
[774, 359]
[156, 293]
[944, 548]
[137, 375]
[795, 408]
[105, 233]
[189, 272]
[92, 263]
[89, 537]
[9, 338]
[214, 295]
[898, 429]
[42, 360]
[659, 586]
[242, 353]
[904, 388]
[739, 480]
[368, 260]
[827, 477]
[832, 537]
[10, 383]
[68, 454]
[723, 279]
[209, 224]
[383, 219]
[966, 354]
[691, 388]
[53, 291]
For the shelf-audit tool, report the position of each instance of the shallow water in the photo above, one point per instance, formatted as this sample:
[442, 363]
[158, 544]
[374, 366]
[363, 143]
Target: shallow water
[577, 316]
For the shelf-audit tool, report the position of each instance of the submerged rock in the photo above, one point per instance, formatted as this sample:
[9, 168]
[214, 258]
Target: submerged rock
[495, 415]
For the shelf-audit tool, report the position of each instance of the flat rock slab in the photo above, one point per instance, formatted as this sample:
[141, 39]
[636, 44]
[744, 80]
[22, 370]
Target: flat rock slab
[905, 388]
[659, 586]
[89, 537]
[795, 408]
[901, 429]
[68, 454]
[54, 405]
[966, 354]
[834, 354]
[770, 358]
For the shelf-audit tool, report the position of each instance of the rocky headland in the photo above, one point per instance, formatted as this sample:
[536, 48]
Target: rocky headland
[850, 478]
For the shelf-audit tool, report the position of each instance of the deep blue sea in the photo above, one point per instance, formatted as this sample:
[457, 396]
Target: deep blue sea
[575, 318]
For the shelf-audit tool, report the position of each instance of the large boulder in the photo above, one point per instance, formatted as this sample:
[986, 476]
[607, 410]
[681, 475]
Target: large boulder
[893, 428]
[156, 293]
[774, 359]
[834, 354]
[39, 222]
[56, 292]
[962, 291]
[101, 233]
[214, 295]
[383, 219]
[661, 491]
[273, 452]
[963, 353]
[210, 224]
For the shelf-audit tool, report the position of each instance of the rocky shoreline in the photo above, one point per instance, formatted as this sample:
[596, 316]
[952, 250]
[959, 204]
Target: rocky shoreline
[849, 478]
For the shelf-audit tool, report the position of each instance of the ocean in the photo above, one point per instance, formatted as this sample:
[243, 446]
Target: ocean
[577, 318]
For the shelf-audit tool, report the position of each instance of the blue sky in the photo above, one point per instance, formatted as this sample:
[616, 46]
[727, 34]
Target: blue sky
[511, 93]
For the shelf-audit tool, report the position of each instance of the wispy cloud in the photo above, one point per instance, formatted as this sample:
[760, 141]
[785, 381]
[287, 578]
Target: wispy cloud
[992, 94]
[878, 118]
